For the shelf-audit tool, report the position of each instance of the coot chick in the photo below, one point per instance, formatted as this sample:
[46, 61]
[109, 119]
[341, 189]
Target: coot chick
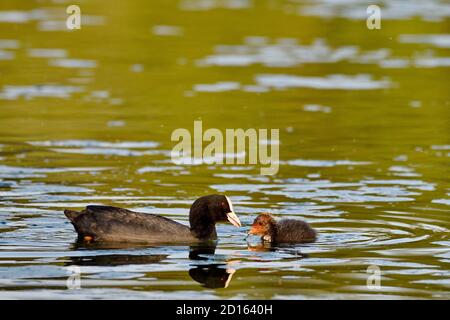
[284, 231]
[112, 224]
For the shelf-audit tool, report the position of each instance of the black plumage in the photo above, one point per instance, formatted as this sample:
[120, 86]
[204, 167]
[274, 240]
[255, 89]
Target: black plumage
[113, 224]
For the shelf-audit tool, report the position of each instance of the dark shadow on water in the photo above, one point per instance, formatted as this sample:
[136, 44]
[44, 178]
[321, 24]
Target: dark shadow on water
[116, 260]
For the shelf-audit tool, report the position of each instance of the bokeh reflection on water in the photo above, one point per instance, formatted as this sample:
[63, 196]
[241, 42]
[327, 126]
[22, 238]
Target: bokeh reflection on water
[86, 118]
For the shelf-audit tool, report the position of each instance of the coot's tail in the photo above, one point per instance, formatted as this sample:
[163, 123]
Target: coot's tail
[72, 215]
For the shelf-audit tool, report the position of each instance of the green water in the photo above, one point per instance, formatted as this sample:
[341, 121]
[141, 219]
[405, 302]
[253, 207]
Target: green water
[364, 120]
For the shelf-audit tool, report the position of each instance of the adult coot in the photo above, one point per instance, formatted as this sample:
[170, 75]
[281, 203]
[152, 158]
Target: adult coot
[112, 224]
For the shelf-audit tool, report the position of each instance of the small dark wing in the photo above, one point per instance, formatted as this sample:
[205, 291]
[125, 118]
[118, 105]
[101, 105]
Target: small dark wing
[74, 215]
[291, 230]
[107, 209]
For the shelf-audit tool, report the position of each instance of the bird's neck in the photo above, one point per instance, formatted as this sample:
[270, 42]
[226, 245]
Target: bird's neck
[202, 226]
[204, 232]
[273, 230]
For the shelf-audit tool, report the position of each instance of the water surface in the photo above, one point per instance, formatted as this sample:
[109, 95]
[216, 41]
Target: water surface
[86, 118]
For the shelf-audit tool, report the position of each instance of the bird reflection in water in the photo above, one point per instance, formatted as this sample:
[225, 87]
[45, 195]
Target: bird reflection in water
[210, 275]
[116, 260]
[261, 247]
[104, 260]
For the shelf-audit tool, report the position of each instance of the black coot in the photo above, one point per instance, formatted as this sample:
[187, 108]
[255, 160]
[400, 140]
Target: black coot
[112, 224]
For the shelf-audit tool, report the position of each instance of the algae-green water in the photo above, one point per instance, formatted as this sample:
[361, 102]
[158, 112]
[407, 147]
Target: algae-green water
[86, 117]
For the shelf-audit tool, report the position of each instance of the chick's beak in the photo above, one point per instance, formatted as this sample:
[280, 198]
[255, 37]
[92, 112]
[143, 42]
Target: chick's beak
[252, 230]
[233, 218]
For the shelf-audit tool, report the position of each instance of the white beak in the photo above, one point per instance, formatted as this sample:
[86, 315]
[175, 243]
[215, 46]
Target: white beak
[233, 218]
